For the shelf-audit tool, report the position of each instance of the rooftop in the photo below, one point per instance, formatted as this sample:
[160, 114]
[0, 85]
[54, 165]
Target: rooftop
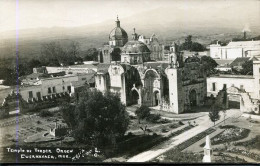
[233, 76]
[244, 43]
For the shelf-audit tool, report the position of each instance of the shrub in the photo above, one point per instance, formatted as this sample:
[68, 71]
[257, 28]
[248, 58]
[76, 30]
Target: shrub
[154, 118]
[130, 134]
[39, 122]
[163, 121]
[164, 130]
[181, 123]
[143, 112]
[173, 126]
[45, 113]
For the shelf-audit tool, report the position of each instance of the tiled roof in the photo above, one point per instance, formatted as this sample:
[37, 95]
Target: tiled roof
[239, 61]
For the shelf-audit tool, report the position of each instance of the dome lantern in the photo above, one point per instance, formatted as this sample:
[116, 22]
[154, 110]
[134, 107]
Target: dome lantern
[117, 22]
[134, 35]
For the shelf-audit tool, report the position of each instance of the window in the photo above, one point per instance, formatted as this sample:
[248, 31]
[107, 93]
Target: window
[83, 79]
[99, 80]
[53, 89]
[38, 94]
[135, 60]
[49, 90]
[69, 89]
[30, 94]
[213, 86]
[63, 88]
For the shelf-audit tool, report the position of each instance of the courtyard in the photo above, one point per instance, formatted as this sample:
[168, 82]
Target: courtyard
[162, 138]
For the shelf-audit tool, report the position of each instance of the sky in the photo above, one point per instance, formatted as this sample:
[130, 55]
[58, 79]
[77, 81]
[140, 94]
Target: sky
[26, 14]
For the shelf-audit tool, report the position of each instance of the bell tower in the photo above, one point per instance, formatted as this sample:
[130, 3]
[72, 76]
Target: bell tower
[174, 74]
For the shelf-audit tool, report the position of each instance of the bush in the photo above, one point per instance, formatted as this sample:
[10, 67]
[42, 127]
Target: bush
[130, 134]
[173, 126]
[164, 130]
[163, 121]
[45, 113]
[181, 123]
[142, 112]
[154, 118]
[227, 127]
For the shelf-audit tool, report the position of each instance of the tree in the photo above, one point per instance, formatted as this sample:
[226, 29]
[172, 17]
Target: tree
[191, 46]
[214, 114]
[100, 119]
[68, 114]
[247, 68]
[53, 54]
[142, 112]
[208, 65]
[91, 54]
[225, 104]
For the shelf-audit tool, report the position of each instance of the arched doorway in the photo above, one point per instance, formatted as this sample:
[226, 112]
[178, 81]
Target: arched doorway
[156, 98]
[134, 97]
[193, 98]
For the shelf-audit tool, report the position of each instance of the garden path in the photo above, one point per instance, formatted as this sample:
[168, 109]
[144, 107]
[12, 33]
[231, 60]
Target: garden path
[203, 124]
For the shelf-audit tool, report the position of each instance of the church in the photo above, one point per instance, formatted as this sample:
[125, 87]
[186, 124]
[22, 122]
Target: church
[130, 70]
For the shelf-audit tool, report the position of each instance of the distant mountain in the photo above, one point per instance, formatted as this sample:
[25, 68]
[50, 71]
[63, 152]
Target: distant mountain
[166, 23]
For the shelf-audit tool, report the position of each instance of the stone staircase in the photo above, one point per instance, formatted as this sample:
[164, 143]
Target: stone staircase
[247, 104]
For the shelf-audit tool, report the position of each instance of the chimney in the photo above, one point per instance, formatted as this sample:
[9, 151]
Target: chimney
[244, 35]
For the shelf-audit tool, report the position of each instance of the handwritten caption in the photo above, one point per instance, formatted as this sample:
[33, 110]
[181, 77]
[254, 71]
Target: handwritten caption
[54, 153]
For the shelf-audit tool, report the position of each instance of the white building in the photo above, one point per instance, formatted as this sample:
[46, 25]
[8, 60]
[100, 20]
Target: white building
[243, 89]
[235, 49]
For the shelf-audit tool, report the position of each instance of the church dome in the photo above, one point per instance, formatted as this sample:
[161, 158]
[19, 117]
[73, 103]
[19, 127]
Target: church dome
[135, 47]
[118, 33]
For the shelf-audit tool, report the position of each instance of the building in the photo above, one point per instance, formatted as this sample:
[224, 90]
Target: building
[118, 44]
[238, 62]
[154, 46]
[235, 49]
[135, 52]
[173, 87]
[117, 39]
[243, 90]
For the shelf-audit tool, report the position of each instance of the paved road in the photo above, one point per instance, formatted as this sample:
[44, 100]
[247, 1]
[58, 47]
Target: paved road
[203, 124]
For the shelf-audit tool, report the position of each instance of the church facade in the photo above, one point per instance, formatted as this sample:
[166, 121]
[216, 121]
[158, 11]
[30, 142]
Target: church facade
[175, 85]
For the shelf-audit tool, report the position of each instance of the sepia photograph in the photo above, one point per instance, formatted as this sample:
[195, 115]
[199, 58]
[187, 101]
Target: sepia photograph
[130, 81]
